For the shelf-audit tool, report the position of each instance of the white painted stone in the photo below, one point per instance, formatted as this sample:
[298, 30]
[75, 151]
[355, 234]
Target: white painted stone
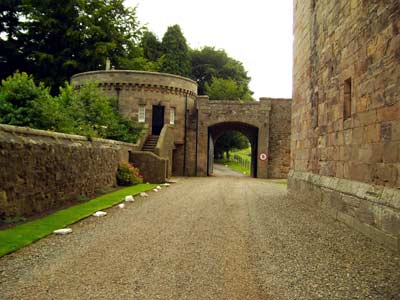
[143, 194]
[155, 190]
[158, 187]
[99, 213]
[63, 231]
[166, 184]
[129, 198]
[122, 205]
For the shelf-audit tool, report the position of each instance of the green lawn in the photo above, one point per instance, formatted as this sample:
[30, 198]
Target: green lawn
[244, 154]
[22, 235]
[234, 166]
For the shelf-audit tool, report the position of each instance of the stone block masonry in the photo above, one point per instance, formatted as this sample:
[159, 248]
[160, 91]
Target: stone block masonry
[279, 140]
[346, 111]
[266, 123]
[41, 170]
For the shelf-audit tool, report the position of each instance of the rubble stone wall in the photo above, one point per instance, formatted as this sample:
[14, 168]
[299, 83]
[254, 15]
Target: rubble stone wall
[42, 170]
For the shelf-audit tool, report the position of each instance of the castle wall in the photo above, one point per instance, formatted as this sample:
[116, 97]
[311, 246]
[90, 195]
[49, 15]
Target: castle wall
[253, 119]
[346, 112]
[279, 138]
[134, 88]
[188, 155]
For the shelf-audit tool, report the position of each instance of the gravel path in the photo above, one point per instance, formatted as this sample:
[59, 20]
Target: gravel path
[205, 238]
[220, 170]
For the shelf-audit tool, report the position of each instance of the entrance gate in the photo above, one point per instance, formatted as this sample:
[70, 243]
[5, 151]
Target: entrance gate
[217, 117]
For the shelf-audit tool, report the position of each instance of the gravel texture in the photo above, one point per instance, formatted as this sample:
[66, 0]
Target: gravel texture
[205, 238]
[221, 170]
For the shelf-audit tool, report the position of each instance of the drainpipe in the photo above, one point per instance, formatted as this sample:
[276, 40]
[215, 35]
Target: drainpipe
[118, 90]
[184, 137]
[197, 138]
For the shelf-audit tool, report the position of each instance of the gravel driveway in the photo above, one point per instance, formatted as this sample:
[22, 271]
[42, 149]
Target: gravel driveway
[205, 238]
[221, 170]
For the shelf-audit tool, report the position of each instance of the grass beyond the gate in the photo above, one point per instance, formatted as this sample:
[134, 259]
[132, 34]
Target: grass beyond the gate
[22, 235]
[234, 166]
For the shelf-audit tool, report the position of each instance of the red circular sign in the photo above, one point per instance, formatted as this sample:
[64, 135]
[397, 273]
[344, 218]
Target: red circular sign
[263, 156]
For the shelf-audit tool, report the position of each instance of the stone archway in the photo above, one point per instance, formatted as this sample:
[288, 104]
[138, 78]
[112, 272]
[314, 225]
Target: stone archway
[217, 130]
[217, 117]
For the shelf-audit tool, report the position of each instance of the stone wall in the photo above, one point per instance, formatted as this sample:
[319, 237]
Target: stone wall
[217, 117]
[154, 169]
[41, 170]
[372, 210]
[165, 146]
[136, 88]
[279, 138]
[346, 100]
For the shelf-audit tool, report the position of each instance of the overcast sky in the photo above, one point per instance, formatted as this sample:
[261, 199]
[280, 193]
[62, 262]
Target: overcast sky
[256, 32]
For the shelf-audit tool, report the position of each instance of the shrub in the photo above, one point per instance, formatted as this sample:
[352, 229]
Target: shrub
[86, 111]
[128, 174]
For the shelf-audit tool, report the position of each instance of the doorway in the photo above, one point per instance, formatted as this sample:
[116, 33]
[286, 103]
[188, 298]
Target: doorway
[157, 119]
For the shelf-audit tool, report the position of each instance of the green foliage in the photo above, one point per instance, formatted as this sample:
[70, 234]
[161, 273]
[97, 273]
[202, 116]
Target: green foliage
[89, 112]
[85, 111]
[209, 63]
[104, 190]
[176, 58]
[23, 103]
[109, 30]
[20, 236]
[56, 39]
[14, 220]
[152, 47]
[228, 141]
[82, 198]
[128, 175]
[223, 89]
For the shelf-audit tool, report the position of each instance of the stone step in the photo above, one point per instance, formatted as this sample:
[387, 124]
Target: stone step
[151, 143]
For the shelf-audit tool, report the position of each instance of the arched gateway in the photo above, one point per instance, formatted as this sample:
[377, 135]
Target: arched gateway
[181, 127]
[217, 130]
[217, 117]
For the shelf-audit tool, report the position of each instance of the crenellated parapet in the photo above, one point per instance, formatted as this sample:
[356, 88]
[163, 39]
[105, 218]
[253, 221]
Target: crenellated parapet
[139, 81]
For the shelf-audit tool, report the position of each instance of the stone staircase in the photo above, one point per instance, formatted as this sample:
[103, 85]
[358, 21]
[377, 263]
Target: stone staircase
[150, 143]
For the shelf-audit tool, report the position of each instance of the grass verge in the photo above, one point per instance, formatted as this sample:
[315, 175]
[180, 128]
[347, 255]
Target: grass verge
[234, 166]
[22, 235]
[282, 182]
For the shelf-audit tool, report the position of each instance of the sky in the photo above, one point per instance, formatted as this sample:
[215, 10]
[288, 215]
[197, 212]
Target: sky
[256, 32]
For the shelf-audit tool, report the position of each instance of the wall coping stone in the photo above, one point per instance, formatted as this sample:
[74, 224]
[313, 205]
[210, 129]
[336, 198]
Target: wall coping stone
[134, 72]
[382, 195]
[17, 130]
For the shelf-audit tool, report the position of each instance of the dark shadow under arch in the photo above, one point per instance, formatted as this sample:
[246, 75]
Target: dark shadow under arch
[216, 130]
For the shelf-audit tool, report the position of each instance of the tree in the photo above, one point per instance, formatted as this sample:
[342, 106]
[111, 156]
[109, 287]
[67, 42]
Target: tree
[10, 54]
[228, 141]
[86, 111]
[90, 112]
[208, 63]
[109, 30]
[56, 39]
[152, 46]
[50, 39]
[23, 103]
[176, 58]
[223, 89]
